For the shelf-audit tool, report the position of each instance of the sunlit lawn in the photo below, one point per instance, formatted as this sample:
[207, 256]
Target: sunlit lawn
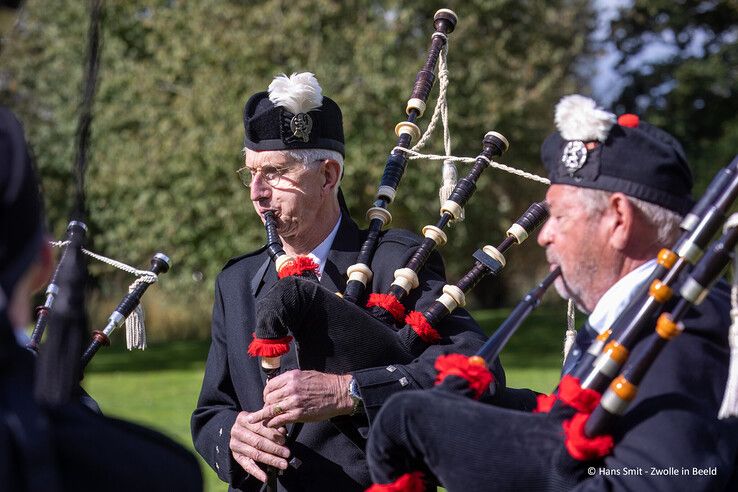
[159, 387]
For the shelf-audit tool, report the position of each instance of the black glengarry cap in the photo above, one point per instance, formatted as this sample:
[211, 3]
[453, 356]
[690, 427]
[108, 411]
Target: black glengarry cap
[293, 114]
[593, 149]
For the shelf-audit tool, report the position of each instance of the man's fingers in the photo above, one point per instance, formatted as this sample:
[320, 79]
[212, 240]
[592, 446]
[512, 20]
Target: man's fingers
[269, 411]
[262, 451]
[279, 380]
[266, 458]
[250, 466]
[271, 443]
[280, 421]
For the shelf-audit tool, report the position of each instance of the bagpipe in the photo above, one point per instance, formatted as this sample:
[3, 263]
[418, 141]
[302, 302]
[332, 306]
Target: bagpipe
[375, 326]
[471, 376]
[336, 336]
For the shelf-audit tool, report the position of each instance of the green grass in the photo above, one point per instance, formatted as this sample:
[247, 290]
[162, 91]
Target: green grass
[159, 386]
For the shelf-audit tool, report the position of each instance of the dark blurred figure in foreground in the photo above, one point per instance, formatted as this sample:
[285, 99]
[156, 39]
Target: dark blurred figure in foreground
[58, 444]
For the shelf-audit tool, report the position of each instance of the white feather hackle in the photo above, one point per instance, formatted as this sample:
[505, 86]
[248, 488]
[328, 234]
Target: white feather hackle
[579, 118]
[298, 93]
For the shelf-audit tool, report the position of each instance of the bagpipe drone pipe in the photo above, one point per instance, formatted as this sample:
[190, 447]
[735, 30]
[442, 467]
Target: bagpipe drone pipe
[160, 263]
[444, 22]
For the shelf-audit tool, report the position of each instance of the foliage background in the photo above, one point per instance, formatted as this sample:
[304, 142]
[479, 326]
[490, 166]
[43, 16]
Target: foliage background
[167, 128]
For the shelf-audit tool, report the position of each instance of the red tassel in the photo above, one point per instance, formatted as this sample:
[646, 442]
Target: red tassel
[269, 347]
[301, 265]
[571, 393]
[389, 303]
[580, 446]
[409, 482]
[477, 375]
[545, 403]
[420, 325]
[629, 120]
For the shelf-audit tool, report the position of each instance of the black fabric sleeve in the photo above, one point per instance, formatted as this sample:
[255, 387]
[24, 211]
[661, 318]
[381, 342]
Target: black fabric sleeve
[217, 406]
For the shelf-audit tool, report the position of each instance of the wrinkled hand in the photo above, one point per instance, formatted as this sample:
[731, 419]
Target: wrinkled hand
[303, 396]
[252, 442]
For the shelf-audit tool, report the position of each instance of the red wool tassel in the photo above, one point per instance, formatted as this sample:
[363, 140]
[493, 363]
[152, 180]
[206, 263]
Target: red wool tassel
[301, 265]
[580, 446]
[629, 120]
[420, 325]
[545, 403]
[269, 347]
[389, 303]
[475, 373]
[409, 482]
[571, 393]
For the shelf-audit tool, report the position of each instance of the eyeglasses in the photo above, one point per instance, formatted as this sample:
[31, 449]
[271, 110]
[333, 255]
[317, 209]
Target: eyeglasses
[269, 172]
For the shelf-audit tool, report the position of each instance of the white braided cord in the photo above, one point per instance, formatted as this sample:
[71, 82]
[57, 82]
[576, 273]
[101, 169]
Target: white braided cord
[413, 155]
[146, 276]
[440, 110]
[135, 327]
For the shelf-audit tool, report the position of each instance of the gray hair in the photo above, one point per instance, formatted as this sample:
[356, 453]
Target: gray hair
[309, 156]
[663, 221]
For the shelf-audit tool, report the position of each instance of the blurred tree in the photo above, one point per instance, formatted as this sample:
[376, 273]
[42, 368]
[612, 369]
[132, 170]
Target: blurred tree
[174, 74]
[681, 63]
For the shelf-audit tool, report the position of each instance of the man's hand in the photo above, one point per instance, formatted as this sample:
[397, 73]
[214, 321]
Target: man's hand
[252, 442]
[303, 396]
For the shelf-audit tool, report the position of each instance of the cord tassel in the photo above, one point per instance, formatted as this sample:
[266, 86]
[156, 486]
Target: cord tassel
[571, 332]
[729, 408]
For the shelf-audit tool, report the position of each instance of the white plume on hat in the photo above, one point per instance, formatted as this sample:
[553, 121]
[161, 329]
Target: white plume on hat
[579, 118]
[298, 93]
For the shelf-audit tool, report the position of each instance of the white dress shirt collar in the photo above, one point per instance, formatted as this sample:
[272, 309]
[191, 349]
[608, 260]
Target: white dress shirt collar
[618, 297]
[320, 254]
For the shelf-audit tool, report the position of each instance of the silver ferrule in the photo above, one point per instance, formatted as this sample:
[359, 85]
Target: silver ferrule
[613, 403]
[693, 291]
[77, 223]
[689, 222]
[51, 291]
[116, 319]
[690, 252]
[164, 258]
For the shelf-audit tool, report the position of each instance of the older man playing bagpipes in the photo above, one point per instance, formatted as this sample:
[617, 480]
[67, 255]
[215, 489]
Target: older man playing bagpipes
[294, 150]
[631, 412]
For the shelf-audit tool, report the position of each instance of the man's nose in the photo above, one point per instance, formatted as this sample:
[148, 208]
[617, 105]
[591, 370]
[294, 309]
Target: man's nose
[545, 236]
[259, 187]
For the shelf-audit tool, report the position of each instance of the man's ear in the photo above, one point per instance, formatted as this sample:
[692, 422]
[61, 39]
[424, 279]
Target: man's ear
[331, 173]
[621, 217]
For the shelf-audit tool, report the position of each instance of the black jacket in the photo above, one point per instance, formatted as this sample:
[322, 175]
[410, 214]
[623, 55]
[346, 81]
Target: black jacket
[234, 382]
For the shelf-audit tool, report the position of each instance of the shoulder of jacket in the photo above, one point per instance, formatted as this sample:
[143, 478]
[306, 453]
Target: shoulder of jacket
[246, 260]
[402, 237]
